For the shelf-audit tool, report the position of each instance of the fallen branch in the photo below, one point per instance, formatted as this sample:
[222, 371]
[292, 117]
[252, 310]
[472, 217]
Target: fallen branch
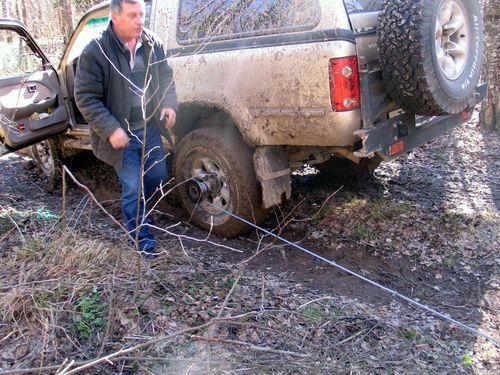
[111, 356]
[265, 349]
[84, 365]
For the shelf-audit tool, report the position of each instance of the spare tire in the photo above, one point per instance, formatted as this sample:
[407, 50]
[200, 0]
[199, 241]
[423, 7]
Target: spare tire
[431, 53]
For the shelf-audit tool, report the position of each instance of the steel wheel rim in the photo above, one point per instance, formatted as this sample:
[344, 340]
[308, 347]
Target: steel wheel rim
[452, 39]
[208, 171]
[45, 157]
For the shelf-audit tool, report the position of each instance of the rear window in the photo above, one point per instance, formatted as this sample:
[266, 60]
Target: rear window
[359, 6]
[201, 20]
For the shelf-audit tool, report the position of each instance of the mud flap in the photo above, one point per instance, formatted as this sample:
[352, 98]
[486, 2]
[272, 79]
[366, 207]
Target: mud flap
[273, 173]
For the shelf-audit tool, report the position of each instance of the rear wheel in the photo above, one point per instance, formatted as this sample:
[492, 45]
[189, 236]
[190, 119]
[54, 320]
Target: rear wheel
[47, 157]
[430, 53]
[215, 174]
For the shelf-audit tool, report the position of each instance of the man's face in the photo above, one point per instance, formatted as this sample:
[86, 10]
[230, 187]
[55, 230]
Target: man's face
[129, 23]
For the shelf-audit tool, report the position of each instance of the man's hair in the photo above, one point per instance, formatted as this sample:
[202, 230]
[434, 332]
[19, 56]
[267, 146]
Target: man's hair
[117, 5]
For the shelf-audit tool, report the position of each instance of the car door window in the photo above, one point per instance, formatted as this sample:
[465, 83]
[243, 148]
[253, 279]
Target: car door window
[31, 108]
[17, 58]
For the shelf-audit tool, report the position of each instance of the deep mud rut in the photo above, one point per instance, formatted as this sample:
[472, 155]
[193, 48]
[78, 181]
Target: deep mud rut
[426, 225]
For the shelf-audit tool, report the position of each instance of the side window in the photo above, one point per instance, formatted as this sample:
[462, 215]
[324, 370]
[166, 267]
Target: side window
[201, 20]
[17, 58]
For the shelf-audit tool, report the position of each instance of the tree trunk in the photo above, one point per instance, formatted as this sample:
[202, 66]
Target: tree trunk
[5, 9]
[24, 12]
[490, 114]
[67, 10]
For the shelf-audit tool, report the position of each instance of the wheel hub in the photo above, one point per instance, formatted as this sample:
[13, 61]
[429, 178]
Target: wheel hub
[196, 190]
[208, 186]
[452, 39]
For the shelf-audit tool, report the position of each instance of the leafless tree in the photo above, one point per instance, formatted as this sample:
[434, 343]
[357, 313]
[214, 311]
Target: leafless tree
[490, 113]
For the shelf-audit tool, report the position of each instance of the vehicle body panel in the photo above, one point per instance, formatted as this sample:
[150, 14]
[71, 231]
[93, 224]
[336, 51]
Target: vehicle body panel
[275, 87]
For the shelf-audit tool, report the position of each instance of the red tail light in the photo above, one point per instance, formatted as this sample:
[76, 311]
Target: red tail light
[344, 84]
[396, 148]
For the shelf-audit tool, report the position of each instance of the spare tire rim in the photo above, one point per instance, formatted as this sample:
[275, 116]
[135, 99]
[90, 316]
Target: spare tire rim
[452, 39]
[218, 196]
[45, 158]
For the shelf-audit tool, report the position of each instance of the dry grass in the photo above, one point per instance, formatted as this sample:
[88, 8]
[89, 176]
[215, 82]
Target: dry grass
[42, 282]
[51, 286]
[84, 294]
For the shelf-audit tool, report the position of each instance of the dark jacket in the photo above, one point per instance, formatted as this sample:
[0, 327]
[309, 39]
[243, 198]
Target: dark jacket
[103, 95]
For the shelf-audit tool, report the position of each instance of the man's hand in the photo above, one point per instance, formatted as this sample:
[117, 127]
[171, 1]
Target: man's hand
[169, 115]
[119, 139]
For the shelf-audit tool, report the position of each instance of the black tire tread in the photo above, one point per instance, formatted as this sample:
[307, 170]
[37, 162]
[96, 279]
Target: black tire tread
[50, 183]
[240, 157]
[405, 57]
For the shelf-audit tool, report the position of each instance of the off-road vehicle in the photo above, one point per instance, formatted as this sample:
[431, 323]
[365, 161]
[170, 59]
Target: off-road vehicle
[266, 86]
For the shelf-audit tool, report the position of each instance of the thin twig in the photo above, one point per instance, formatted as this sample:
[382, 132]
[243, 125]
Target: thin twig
[183, 236]
[94, 199]
[29, 283]
[226, 300]
[7, 233]
[262, 294]
[351, 337]
[320, 209]
[313, 301]
[15, 224]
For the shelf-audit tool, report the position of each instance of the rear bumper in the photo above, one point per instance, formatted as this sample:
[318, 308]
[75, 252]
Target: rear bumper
[405, 132]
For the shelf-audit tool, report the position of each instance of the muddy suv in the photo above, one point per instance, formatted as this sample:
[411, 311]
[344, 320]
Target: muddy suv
[266, 86]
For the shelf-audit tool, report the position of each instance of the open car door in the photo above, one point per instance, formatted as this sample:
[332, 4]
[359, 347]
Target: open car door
[31, 105]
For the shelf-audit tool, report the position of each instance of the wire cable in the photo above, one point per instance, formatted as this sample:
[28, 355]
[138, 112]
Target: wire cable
[464, 326]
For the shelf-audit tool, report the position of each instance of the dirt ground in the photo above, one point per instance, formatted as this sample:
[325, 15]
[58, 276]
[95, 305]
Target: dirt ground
[426, 225]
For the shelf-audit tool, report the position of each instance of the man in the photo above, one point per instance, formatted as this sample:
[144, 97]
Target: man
[124, 88]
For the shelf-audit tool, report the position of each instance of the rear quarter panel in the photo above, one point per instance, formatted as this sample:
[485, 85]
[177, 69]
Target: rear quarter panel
[277, 94]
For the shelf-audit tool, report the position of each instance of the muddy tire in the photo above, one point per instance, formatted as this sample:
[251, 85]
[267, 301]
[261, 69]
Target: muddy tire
[343, 167]
[217, 160]
[47, 158]
[430, 53]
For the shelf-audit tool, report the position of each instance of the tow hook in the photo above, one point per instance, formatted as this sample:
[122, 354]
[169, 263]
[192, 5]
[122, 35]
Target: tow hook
[197, 190]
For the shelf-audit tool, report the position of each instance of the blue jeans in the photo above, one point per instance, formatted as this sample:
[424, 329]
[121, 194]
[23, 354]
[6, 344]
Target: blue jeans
[155, 174]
